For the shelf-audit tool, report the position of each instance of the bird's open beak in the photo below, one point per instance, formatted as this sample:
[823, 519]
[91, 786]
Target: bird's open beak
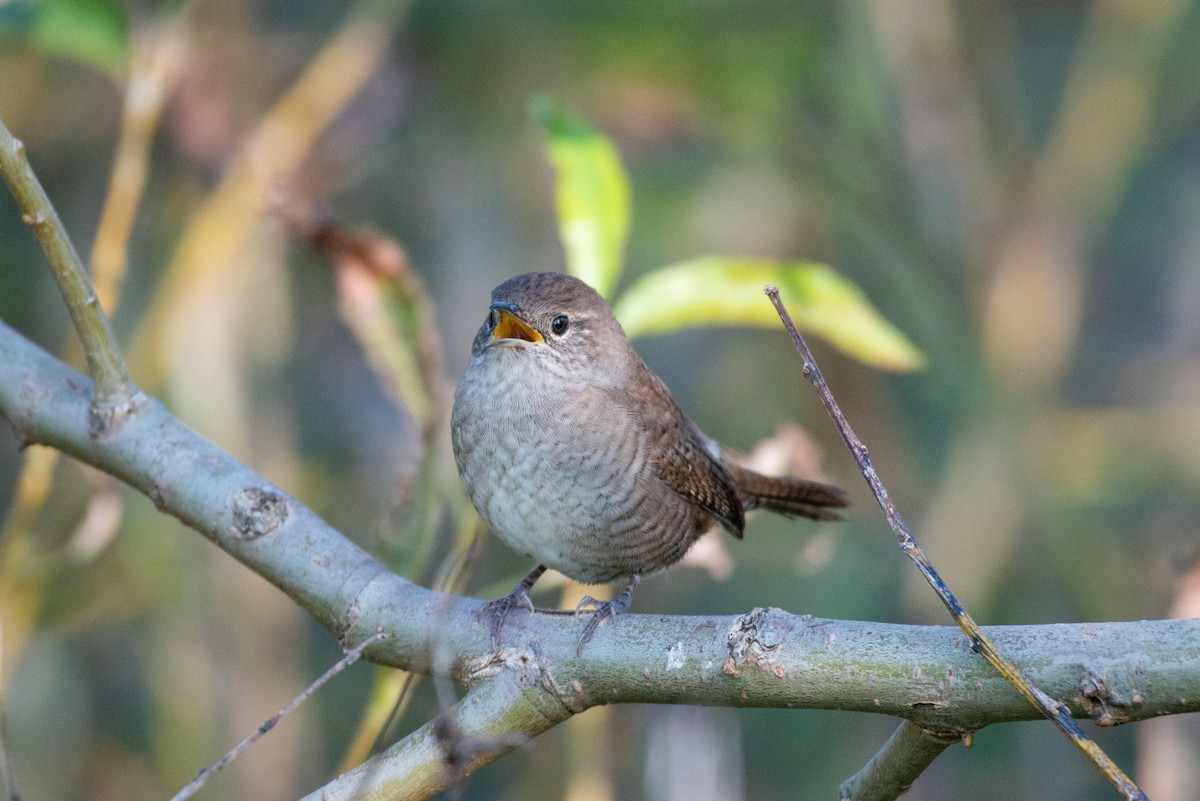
[511, 327]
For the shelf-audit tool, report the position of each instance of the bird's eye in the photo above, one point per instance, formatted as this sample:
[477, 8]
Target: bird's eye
[559, 325]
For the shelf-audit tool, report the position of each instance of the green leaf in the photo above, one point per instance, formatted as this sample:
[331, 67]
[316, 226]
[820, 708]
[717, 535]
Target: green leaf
[94, 33]
[729, 291]
[592, 195]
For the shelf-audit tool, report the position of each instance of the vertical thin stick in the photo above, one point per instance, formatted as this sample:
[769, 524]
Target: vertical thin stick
[1051, 708]
[157, 60]
[8, 782]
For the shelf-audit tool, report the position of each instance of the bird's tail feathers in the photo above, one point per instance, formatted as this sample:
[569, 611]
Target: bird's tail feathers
[789, 496]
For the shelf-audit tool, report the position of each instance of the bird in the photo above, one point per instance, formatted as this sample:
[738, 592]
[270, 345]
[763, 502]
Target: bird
[577, 455]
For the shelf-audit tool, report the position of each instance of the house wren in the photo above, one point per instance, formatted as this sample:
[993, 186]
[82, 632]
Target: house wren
[579, 457]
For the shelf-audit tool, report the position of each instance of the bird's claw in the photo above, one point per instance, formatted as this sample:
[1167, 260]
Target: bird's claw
[601, 611]
[495, 612]
[588, 604]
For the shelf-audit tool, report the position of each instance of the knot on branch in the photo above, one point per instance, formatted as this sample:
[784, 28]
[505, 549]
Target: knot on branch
[531, 670]
[108, 414]
[753, 640]
[258, 511]
[1103, 703]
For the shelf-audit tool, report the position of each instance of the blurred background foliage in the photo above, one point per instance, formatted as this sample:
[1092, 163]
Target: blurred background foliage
[1012, 185]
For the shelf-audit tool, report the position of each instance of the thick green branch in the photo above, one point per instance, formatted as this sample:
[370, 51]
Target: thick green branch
[492, 719]
[114, 391]
[897, 765]
[1111, 672]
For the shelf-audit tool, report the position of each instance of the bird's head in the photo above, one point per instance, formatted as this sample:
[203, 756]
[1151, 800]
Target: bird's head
[552, 317]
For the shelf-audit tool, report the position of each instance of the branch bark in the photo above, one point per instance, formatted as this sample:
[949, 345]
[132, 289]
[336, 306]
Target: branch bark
[495, 717]
[1112, 672]
[897, 764]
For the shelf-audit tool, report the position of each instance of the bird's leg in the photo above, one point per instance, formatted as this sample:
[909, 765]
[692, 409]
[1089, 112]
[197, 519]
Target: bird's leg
[604, 610]
[495, 611]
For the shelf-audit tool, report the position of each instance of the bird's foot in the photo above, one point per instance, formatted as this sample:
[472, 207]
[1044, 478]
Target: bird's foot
[603, 610]
[495, 612]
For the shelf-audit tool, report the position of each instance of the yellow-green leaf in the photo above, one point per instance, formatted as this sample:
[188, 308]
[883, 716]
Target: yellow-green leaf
[592, 195]
[729, 291]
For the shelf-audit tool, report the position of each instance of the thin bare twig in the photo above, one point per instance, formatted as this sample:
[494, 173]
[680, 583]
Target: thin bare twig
[346, 661]
[1051, 708]
[115, 393]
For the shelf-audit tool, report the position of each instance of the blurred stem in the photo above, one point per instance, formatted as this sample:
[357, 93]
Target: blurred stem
[384, 303]
[8, 782]
[589, 768]
[897, 764]
[393, 690]
[390, 696]
[104, 360]
[157, 62]
[1107, 112]
[21, 594]
[426, 512]
[267, 161]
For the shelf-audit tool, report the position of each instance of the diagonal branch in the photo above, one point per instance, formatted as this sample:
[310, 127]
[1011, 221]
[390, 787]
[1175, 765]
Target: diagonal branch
[897, 764]
[1055, 710]
[494, 718]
